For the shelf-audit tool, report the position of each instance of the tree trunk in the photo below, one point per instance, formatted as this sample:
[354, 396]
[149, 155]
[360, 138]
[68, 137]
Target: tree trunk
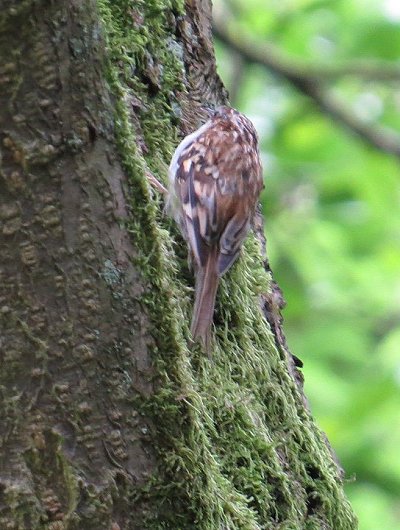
[110, 418]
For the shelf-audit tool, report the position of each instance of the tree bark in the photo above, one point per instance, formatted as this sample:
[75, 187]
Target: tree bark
[110, 418]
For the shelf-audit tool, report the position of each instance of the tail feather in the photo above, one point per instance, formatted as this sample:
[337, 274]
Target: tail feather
[207, 280]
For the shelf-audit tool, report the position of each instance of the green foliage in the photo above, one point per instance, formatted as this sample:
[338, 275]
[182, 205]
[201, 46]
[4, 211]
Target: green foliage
[332, 220]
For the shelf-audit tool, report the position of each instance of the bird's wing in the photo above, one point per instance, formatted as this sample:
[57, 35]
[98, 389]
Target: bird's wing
[217, 194]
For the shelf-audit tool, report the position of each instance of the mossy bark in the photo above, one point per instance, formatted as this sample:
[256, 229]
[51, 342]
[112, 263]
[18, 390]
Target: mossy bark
[110, 419]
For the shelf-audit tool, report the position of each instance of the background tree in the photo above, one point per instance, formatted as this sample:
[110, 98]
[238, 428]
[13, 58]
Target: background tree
[321, 79]
[109, 420]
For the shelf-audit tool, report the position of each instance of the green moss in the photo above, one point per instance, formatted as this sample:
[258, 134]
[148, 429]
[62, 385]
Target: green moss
[236, 449]
[51, 472]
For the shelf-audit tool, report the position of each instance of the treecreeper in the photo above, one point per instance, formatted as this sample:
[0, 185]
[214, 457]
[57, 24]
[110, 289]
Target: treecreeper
[215, 180]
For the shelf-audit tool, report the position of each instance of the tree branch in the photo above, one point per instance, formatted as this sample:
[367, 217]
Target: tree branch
[367, 70]
[308, 81]
[271, 56]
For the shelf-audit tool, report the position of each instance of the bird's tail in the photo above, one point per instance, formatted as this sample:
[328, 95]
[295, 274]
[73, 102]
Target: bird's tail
[207, 280]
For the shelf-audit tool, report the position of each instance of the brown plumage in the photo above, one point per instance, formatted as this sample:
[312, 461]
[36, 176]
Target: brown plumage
[215, 182]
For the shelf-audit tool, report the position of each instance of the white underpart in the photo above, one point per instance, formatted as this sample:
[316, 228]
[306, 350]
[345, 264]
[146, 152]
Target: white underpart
[174, 207]
[173, 167]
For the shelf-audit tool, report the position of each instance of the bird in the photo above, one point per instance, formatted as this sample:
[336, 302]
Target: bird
[215, 180]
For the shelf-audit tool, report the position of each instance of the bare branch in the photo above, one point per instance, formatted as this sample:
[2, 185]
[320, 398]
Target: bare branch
[310, 83]
[367, 70]
[272, 57]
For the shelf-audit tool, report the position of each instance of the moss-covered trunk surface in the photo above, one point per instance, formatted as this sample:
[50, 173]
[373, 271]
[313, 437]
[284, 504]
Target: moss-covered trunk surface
[109, 418]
